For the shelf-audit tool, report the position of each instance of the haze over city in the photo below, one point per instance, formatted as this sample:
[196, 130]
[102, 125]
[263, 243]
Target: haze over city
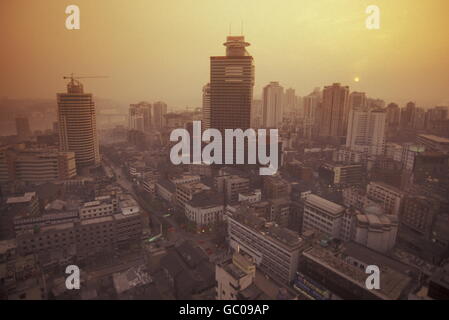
[158, 50]
[223, 151]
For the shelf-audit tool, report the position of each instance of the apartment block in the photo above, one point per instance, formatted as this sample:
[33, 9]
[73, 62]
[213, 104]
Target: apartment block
[274, 249]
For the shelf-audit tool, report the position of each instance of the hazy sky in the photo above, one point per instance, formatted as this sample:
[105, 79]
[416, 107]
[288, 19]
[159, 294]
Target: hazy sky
[159, 50]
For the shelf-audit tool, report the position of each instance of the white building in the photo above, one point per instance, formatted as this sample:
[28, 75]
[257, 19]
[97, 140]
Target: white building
[390, 197]
[234, 276]
[375, 230]
[273, 112]
[100, 207]
[322, 215]
[275, 250]
[366, 131]
[347, 155]
[205, 209]
[251, 197]
[404, 153]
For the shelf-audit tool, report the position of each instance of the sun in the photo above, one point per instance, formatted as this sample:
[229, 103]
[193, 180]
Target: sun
[356, 79]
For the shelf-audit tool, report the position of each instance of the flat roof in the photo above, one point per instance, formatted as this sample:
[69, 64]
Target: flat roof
[435, 138]
[269, 230]
[28, 196]
[96, 220]
[392, 283]
[327, 205]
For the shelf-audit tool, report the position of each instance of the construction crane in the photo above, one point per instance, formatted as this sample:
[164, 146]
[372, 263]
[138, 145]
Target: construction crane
[74, 83]
[72, 77]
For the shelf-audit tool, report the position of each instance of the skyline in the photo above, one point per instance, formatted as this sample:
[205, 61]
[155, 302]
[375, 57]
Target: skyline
[320, 43]
[311, 179]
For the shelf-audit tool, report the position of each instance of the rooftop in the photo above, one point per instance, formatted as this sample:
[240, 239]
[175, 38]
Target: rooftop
[435, 138]
[327, 205]
[27, 197]
[280, 235]
[392, 283]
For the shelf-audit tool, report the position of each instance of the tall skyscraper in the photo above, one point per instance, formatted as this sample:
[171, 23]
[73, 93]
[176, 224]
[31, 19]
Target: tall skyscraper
[159, 112]
[335, 111]
[78, 125]
[23, 128]
[311, 104]
[206, 107]
[290, 101]
[357, 100]
[366, 131]
[231, 86]
[393, 115]
[407, 115]
[273, 111]
[257, 113]
[140, 117]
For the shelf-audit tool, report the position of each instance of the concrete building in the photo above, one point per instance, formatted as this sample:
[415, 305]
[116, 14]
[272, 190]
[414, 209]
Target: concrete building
[186, 191]
[290, 101]
[341, 174]
[36, 165]
[205, 209]
[231, 86]
[166, 190]
[233, 276]
[434, 143]
[419, 214]
[274, 187]
[335, 111]
[159, 112]
[273, 105]
[23, 128]
[25, 205]
[311, 104]
[251, 196]
[346, 278]
[232, 186]
[390, 197]
[366, 131]
[94, 231]
[140, 117]
[404, 153]
[274, 250]
[348, 156]
[78, 125]
[357, 101]
[323, 216]
[376, 230]
[205, 124]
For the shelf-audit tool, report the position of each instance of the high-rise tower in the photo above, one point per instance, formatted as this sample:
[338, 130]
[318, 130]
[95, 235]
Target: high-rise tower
[78, 125]
[273, 105]
[366, 131]
[206, 107]
[159, 112]
[23, 128]
[335, 111]
[231, 86]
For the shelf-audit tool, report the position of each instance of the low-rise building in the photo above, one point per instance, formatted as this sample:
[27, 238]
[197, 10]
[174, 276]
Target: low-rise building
[205, 208]
[274, 249]
[391, 197]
